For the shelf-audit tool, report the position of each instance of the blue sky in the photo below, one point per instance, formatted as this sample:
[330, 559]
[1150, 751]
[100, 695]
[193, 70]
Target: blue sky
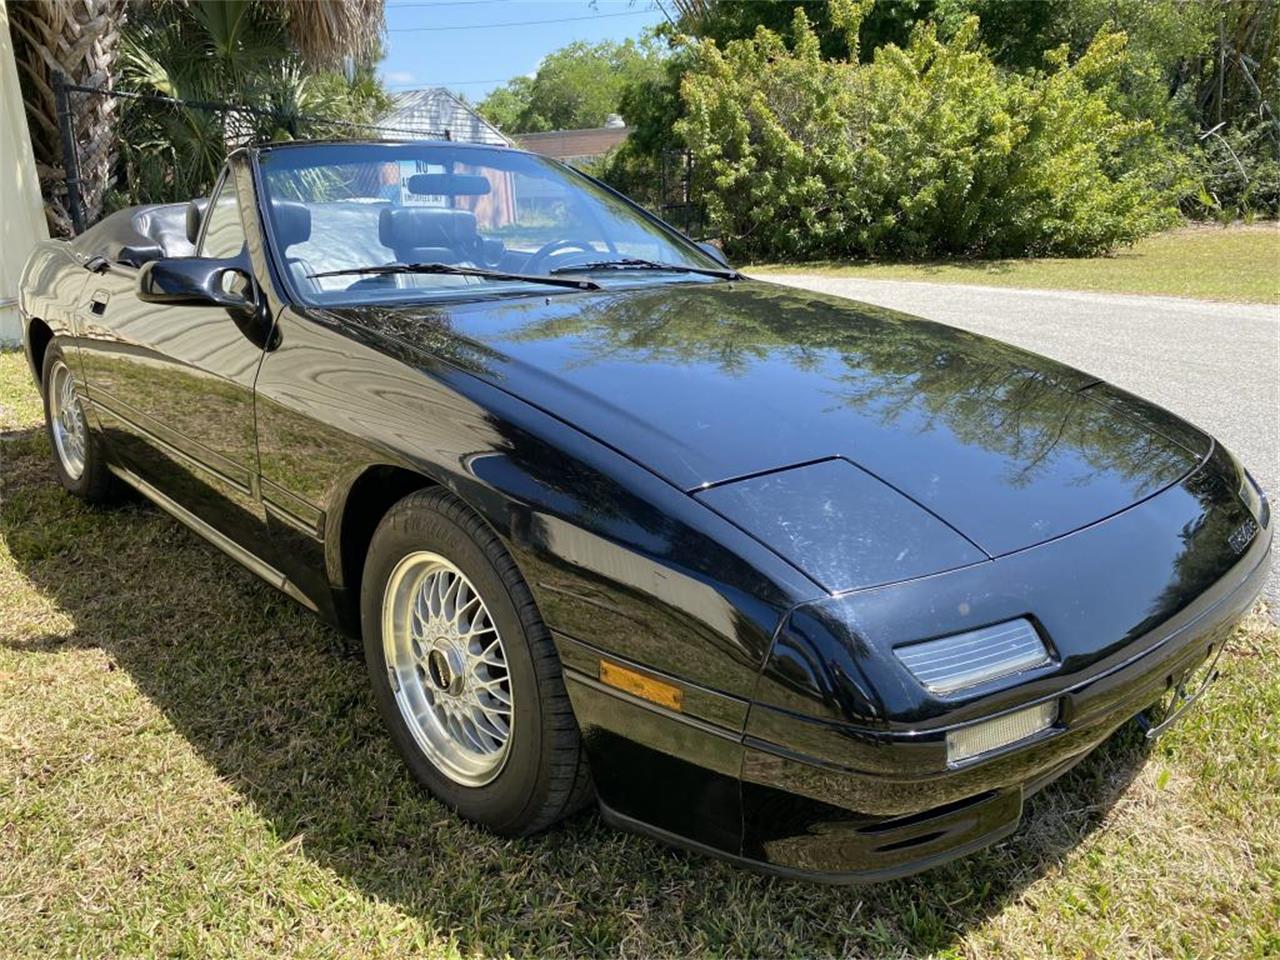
[474, 54]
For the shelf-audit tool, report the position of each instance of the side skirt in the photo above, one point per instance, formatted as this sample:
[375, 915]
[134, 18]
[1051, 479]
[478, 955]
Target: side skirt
[224, 543]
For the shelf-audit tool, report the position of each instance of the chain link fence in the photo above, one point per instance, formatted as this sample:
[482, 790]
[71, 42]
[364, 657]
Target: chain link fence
[120, 148]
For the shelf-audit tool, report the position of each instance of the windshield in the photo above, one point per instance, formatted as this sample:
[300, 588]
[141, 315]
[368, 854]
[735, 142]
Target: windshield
[343, 207]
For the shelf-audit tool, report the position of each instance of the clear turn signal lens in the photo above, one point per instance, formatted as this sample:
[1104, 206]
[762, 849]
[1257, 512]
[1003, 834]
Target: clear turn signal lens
[979, 738]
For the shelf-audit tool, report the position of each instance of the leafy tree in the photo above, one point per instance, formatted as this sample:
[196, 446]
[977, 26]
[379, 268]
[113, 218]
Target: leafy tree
[1191, 66]
[879, 22]
[652, 108]
[575, 87]
[1017, 33]
[505, 106]
[927, 150]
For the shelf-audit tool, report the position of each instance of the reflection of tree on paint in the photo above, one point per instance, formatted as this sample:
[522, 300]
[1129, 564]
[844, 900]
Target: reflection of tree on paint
[1206, 542]
[903, 372]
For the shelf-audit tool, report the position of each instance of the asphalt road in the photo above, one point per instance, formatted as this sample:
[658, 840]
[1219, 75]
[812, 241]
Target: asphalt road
[1215, 364]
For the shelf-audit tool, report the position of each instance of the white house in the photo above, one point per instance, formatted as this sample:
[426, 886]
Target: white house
[22, 220]
[436, 113]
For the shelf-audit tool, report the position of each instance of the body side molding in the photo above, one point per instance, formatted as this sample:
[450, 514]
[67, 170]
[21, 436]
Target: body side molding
[250, 561]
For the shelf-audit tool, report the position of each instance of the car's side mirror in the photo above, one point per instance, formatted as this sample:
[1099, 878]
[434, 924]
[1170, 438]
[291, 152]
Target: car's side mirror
[195, 282]
[714, 252]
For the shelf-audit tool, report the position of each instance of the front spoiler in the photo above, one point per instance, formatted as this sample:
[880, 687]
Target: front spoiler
[998, 811]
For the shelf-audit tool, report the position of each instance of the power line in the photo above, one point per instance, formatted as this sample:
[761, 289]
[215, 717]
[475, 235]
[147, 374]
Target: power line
[520, 23]
[446, 83]
[467, 3]
[443, 3]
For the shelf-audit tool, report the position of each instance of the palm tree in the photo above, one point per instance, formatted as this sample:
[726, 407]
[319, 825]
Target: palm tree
[83, 39]
[237, 51]
[79, 38]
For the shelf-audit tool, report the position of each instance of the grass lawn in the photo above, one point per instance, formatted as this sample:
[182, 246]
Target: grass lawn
[191, 764]
[1238, 263]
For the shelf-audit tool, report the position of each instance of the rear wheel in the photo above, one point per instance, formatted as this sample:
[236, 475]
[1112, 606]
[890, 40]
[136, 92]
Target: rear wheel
[464, 671]
[77, 451]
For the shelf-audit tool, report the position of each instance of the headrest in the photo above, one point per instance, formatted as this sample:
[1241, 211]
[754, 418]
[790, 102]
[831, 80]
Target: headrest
[195, 213]
[448, 185]
[292, 222]
[134, 254]
[402, 228]
[165, 225]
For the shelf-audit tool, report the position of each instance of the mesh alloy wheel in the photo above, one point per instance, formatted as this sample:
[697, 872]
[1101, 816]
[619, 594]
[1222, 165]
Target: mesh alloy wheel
[447, 668]
[79, 454]
[66, 420]
[464, 671]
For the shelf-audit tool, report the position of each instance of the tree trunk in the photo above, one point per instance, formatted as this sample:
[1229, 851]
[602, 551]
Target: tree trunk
[81, 38]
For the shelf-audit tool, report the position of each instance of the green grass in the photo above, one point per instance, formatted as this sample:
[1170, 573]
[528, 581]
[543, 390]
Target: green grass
[1237, 263]
[191, 765]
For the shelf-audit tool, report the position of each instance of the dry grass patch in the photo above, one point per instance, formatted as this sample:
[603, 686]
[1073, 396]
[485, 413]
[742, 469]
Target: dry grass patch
[190, 764]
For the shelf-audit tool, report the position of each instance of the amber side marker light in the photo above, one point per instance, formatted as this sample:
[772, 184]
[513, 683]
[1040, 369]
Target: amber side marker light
[641, 685]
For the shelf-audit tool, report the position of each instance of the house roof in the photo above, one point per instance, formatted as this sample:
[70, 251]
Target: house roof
[561, 144]
[436, 113]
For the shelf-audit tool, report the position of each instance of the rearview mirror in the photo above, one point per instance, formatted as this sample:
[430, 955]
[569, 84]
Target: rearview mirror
[195, 282]
[714, 252]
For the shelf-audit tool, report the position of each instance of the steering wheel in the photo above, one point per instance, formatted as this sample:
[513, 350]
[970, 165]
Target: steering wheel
[548, 250]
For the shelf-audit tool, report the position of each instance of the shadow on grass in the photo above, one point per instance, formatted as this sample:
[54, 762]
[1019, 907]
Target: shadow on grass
[278, 704]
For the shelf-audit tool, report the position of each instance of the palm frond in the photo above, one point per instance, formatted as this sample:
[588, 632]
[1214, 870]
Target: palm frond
[328, 32]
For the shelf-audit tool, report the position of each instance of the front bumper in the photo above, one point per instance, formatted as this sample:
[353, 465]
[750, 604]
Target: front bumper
[828, 800]
[804, 816]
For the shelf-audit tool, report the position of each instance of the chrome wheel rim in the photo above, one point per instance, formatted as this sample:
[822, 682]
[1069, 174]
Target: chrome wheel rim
[448, 668]
[67, 420]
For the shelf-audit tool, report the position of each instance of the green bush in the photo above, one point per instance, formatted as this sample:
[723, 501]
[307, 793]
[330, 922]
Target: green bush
[1238, 170]
[927, 150]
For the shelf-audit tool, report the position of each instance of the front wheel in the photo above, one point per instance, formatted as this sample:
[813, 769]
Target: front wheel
[464, 671]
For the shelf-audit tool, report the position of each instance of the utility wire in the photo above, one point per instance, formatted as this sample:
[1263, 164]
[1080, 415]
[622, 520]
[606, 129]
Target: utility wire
[444, 83]
[520, 23]
[443, 3]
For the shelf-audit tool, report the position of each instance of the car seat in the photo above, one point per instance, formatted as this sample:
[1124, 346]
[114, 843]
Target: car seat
[291, 223]
[430, 235]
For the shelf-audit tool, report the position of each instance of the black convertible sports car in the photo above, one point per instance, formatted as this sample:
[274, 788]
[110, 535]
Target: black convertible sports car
[797, 581]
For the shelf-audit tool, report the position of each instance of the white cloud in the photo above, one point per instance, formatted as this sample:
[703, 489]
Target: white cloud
[399, 76]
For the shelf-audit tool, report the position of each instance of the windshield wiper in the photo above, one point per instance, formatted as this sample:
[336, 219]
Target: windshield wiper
[638, 263]
[453, 270]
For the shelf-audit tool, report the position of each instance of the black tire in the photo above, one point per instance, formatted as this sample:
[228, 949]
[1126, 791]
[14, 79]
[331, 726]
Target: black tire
[545, 776]
[95, 483]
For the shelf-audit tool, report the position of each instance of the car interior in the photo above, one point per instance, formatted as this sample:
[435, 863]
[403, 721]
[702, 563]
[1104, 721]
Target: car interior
[380, 213]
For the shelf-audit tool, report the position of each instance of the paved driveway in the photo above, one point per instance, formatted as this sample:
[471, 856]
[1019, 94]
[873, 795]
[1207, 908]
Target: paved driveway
[1216, 364]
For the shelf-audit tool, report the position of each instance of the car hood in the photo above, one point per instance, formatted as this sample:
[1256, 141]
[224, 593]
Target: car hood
[709, 383]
